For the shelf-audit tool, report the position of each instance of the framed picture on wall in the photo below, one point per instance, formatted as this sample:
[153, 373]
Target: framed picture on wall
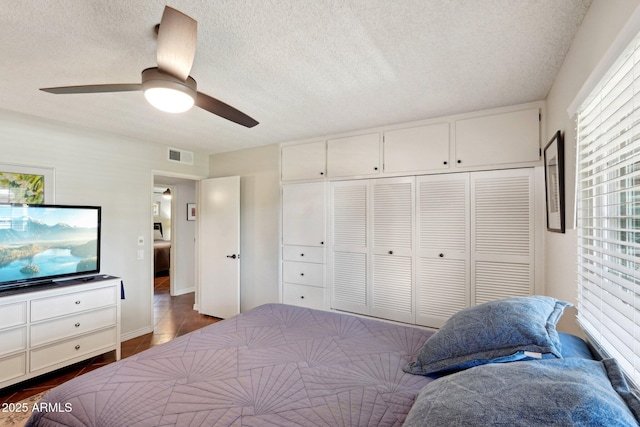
[191, 211]
[554, 183]
[26, 184]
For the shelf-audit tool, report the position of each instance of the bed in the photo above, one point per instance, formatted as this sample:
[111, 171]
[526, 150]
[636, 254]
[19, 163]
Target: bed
[499, 363]
[161, 251]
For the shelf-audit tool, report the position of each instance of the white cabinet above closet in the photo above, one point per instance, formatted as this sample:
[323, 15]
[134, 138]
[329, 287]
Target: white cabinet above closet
[505, 138]
[304, 161]
[421, 148]
[354, 156]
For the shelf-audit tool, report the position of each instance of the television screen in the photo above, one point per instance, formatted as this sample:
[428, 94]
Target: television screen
[40, 243]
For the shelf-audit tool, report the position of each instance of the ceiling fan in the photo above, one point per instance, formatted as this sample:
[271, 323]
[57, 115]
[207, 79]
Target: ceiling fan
[168, 86]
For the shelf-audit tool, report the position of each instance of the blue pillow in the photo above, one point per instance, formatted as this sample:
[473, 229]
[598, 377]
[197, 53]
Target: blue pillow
[506, 330]
[559, 392]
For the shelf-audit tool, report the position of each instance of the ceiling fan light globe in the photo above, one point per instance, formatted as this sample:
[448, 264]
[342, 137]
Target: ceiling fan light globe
[169, 100]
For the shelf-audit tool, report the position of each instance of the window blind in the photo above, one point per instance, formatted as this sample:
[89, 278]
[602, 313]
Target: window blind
[608, 212]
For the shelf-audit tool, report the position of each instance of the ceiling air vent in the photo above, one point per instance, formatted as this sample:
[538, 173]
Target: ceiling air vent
[180, 156]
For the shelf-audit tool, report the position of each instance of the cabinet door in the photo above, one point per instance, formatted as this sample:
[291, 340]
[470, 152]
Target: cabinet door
[349, 246]
[303, 214]
[392, 286]
[442, 280]
[354, 156]
[498, 139]
[304, 161]
[421, 148]
[502, 230]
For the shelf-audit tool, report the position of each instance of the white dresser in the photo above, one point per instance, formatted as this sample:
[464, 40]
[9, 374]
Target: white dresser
[49, 327]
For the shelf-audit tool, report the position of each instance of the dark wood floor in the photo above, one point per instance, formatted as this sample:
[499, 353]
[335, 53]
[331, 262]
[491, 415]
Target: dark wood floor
[174, 316]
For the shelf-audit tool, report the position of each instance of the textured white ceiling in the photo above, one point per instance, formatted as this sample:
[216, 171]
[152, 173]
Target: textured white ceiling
[302, 68]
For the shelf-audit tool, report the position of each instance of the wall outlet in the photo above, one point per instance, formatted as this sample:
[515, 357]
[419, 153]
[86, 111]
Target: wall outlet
[140, 254]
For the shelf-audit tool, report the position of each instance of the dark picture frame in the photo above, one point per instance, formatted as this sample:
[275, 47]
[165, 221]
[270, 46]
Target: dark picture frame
[554, 183]
[191, 211]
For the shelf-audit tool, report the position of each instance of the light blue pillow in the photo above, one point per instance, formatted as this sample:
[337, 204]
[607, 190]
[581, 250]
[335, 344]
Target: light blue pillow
[559, 392]
[506, 330]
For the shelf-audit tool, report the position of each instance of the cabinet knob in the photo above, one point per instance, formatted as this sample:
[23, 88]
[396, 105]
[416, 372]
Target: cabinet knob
[322, 243]
[302, 274]
[441, 255]
[78, 347]
[302, 297]
[446, 162]
[459, 161]
[375, 168]
[77, 325]
[78, 302]
[390, 252]
[301, 254]
[321, 173]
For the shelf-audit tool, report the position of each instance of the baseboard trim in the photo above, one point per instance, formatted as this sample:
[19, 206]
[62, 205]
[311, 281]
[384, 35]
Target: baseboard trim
[136, 333]
[184, 291]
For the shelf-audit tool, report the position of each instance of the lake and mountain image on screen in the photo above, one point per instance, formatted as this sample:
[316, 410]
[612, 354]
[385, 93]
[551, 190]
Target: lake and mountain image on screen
[47, 242]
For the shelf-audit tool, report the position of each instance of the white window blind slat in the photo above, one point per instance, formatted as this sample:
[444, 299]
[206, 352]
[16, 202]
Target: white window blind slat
[608, 212]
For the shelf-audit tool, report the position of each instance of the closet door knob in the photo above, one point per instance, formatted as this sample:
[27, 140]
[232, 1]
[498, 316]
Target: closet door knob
[390, 252]
[459, 161]
[78, 302]
[445, 162]
[321, 173]
[77, 325]
[302, 274]
[441, 255]
[301, 254]
[375, 168]
[78, 347]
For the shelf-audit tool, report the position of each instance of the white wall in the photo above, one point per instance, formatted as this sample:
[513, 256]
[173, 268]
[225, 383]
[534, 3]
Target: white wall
[183, 251]
[110, 171]
[600, 27]
[259, 171]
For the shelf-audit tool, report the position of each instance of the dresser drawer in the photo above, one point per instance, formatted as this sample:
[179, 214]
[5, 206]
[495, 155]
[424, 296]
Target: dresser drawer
[303, 253]
[69, 326]
[303, 296]
[13, 314]
[47, 308]
[73, 348]
[13, 340]
[13, 367]
[303, 273]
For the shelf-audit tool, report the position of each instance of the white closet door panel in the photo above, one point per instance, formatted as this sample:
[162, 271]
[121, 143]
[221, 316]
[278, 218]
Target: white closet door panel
[502, 249]
[495, 280]
[303, 214]
[443, 215]
[393, 201]
[304, 161]
[349, 219]
[354, 155]
[420, 148]
[392, 290]
[442, 289]
[349, 279]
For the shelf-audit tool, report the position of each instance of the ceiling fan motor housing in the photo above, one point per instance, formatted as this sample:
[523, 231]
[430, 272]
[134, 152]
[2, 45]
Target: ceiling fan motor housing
[157, 85]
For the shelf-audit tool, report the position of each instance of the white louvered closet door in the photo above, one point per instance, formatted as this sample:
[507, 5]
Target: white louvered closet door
[443, 238]
[392, 285]
[349, 250]
[502, 230]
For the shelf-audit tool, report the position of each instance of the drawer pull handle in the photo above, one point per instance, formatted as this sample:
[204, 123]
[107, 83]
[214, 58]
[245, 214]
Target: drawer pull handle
[441, 255]
[78, 347]
[301, 254]
[390, 252]
[302, 297]
[78, 302]
[77, 325]
[302, 274]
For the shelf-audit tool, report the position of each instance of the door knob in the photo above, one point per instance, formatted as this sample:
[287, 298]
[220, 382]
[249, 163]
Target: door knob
[232, 256]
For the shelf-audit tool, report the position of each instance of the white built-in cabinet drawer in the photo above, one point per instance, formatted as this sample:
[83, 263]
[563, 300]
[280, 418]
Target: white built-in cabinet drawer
[13, 314]
[304, 161]
[13, 367]
[420, 148]
[354, 155]
[303, 254]
[13, 340]
[303, 296]
[68, 326]
[303, 273]
[73, 348]
[76, 302]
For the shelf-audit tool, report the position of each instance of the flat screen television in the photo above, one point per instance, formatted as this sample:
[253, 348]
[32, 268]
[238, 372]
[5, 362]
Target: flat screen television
[42, 243]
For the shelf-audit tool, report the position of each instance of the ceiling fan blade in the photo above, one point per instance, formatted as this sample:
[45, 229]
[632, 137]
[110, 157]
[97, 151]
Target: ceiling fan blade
[176, 43]
[223, 110]
[93, 88]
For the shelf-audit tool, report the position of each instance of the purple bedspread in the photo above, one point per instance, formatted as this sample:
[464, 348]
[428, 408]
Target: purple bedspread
[275, 365]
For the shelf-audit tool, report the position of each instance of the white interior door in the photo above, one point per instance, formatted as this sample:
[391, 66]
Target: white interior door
[219, 246]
